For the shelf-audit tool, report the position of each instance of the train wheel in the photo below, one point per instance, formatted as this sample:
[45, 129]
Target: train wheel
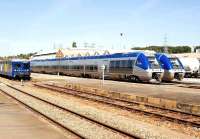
[159, 79]
[135, 79]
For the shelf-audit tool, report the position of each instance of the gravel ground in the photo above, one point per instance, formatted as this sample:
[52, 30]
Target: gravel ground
[172, 91]
[191, 80]
[124, 123]
[86, 129]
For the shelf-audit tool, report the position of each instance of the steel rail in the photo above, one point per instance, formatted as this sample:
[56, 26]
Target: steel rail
[126, 134]
[160, 112]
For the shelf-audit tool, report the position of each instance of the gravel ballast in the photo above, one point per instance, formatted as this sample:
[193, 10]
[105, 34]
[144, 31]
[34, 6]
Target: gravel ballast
[131, 126]
[85, 128]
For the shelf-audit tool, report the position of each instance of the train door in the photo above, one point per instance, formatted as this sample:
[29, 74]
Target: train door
[140, 67]
[137, 70]
[1, 68]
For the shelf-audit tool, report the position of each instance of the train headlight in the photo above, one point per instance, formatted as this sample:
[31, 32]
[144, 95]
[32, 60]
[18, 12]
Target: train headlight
[187, 68]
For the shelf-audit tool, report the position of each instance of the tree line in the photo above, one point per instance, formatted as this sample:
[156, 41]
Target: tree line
[20, 56]
[171, 49]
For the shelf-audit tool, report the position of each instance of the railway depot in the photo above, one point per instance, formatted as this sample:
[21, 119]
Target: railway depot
[81, 105]
[97, 69]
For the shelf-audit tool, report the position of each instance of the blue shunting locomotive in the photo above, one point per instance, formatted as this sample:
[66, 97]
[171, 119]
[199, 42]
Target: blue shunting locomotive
[15, 68]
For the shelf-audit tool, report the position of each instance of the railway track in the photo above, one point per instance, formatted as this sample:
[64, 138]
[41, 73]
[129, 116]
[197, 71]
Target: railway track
[105, 127]
[170, 115]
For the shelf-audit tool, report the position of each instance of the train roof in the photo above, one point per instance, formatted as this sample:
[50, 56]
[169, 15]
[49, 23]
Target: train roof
[16, 60]
[83, 52]
[115, 55]
[168, 55]
[20, 60]
[189, 55]
[42, 52]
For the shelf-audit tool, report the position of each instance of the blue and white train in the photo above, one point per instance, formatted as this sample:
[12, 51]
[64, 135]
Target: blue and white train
[134, 66]
[15, 68]
[173, 68]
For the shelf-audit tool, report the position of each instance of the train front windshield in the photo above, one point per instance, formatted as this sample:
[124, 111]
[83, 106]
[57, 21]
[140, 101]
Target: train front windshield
[26, 65]
[21, 66]
[153, 63]
[175, 63]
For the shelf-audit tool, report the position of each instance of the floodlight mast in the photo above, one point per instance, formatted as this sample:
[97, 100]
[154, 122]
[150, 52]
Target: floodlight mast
[122, 36]
[165, 44]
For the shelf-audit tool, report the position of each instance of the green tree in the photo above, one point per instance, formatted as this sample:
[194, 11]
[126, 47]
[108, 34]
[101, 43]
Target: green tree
[171, 49]
[74, 45]
[197, 47]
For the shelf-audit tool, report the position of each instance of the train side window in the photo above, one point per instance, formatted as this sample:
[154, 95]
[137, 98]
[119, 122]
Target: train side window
[91, 67]
[87, 67]
[95, 68]
[124, 64]
[55, 67]
[62, 67]
[130, 64]
[117, 64]
[133, 63]
[66, 67]
[112, 64]
[77, 67]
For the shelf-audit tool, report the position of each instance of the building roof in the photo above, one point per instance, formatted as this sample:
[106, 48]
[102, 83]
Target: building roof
[78, 52]
[44, 55]
[74, 52]
[190, 55]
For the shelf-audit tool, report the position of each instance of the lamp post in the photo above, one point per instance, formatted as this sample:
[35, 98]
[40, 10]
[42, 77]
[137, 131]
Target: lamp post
[123, 40]
[59, 64]
[103, 72]
[165, 44]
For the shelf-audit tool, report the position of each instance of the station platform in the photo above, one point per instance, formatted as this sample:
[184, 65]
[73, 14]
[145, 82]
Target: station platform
[17, 122]
[183, 95]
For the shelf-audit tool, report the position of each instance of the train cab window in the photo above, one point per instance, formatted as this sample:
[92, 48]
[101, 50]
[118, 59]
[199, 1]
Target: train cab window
[18, 65]
[175, 63]
[26, 66]
[138, 62]
[153, 63]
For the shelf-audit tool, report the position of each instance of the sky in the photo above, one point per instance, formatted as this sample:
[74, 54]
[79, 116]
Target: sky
[34, 25]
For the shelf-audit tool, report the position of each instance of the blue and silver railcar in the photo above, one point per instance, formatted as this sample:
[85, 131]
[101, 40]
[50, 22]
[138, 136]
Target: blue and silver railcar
[173, 68]
[129, 66]
[15, 68]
